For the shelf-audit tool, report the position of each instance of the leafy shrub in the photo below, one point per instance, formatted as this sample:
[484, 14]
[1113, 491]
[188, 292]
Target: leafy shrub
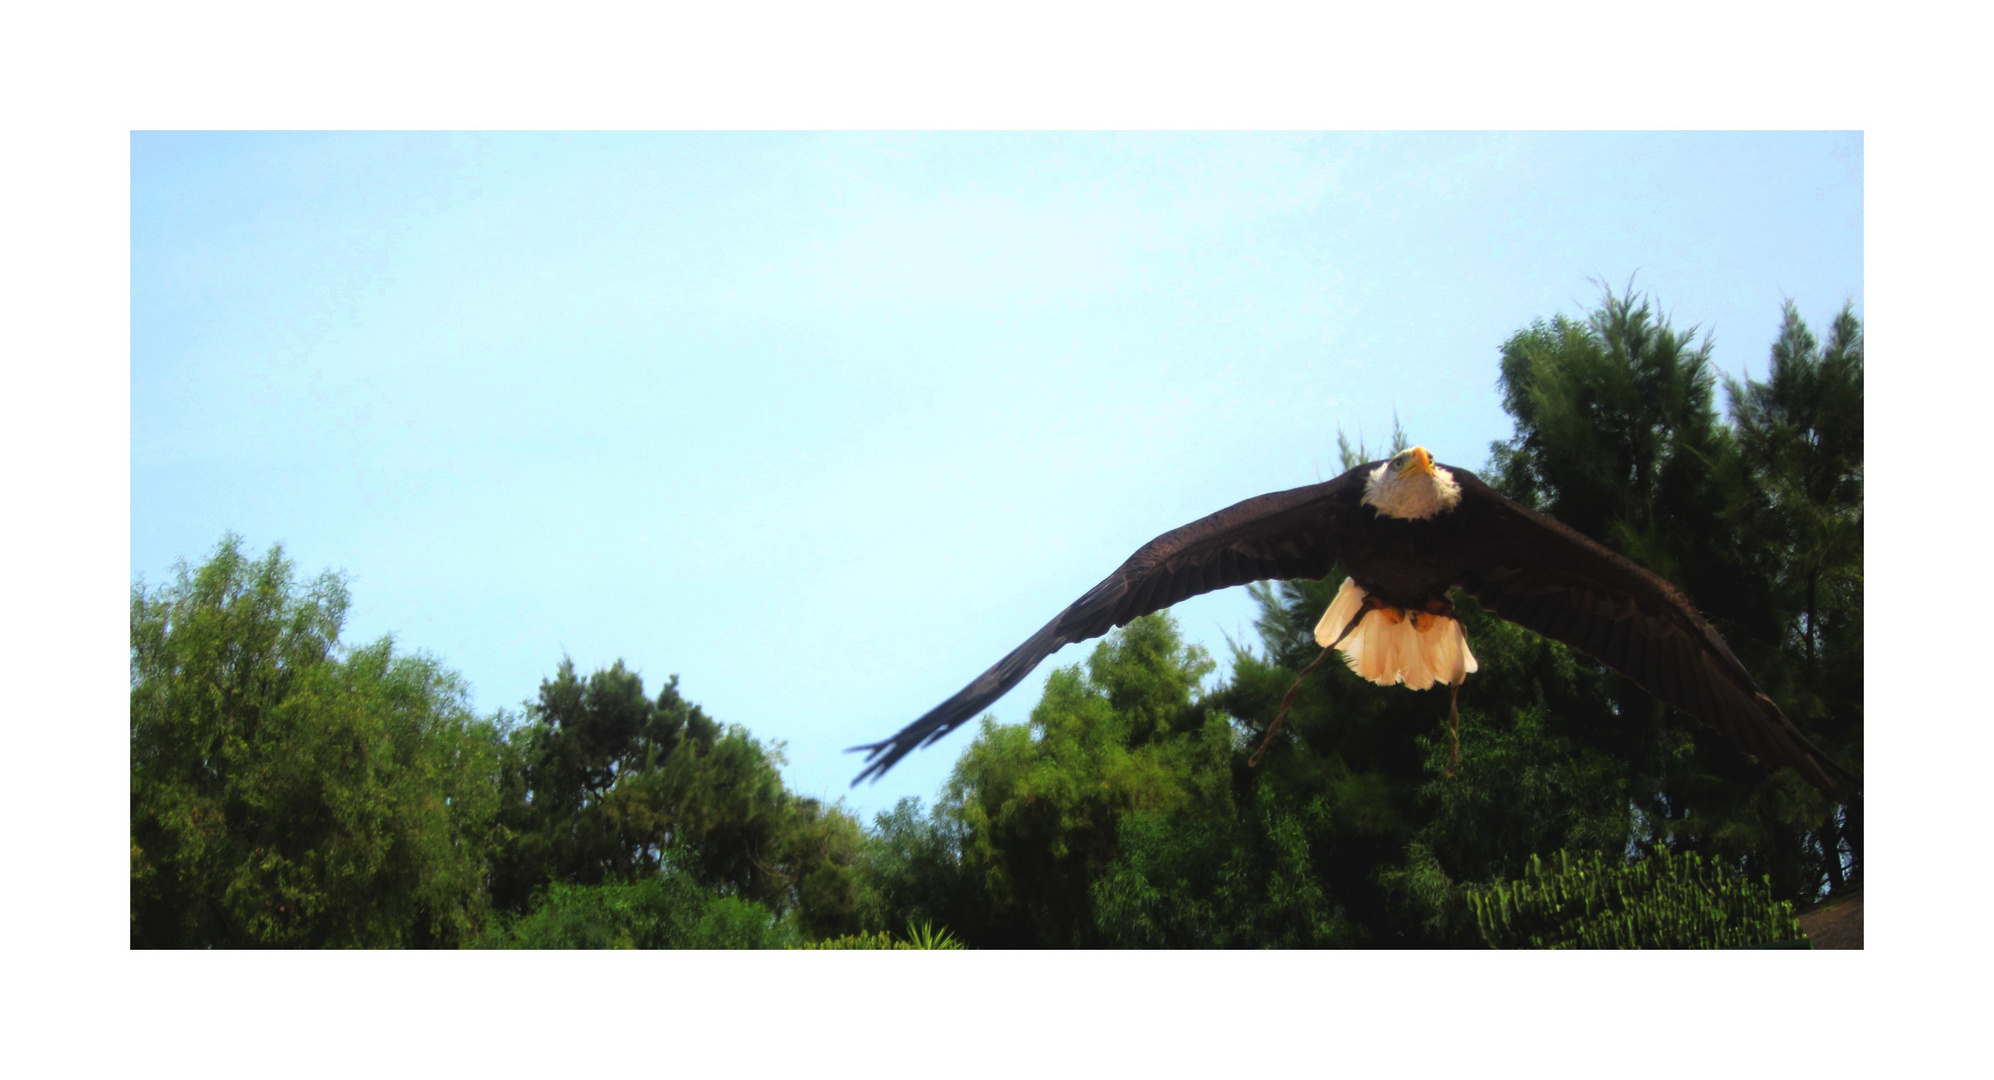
[924, 936]
[1662, 902]
[668, 911]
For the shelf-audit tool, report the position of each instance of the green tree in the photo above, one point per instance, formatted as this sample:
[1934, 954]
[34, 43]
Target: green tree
[1801, 438]
[601, 781]
[910, 870]
[287, 791]
[1617, 436]
[1033, 810]
[1255, 878]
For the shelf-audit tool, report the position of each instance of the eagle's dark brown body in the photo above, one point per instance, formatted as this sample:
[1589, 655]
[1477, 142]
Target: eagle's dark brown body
[1405, 563]
[1518, 564]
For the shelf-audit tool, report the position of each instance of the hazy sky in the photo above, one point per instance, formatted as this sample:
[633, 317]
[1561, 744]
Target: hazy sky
[826, 424]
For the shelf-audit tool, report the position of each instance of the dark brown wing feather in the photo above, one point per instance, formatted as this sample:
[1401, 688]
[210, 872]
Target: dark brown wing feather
[1542, 575]
[1283, 535]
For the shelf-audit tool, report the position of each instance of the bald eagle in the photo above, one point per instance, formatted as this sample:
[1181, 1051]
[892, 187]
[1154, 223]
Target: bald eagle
[1408, 530]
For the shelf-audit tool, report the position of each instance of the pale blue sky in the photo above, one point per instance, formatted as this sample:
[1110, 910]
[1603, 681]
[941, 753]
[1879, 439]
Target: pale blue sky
[826, 424]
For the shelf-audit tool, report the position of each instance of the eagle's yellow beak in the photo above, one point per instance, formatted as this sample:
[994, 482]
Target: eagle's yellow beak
[1419, 462]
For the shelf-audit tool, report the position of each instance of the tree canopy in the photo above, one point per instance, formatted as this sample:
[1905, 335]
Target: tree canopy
[289, 792]
[603, 782]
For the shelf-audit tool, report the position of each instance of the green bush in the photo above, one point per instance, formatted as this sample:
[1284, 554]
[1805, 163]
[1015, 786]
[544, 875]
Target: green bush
[924, 936]
[1662, 902]
[668, 911]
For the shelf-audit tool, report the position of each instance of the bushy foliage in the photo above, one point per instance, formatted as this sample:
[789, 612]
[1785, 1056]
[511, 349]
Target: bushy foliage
[1037, 805]
[286, 790]
[291, 791]
[1212, 880]
[603, 780]
[668, 910]
[910, 869]
[1661, 902]
[922, 936]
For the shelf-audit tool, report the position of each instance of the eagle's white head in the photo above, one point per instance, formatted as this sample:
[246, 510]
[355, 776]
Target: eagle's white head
[1410, 485]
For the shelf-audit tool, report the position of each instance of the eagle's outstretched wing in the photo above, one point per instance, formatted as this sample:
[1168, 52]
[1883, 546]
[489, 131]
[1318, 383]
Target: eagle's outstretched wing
[1547, 577]
[1283, 535]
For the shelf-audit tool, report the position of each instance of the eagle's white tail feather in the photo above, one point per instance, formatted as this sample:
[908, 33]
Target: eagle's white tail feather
[1388, 652]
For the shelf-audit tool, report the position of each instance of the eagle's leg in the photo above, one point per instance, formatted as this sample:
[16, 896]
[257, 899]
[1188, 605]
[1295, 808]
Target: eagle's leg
[1254, 761]
[1454, 725]
[1442, 608]
[1371, 603]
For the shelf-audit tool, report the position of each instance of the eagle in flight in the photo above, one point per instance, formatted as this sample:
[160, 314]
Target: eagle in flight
[1407, 531]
